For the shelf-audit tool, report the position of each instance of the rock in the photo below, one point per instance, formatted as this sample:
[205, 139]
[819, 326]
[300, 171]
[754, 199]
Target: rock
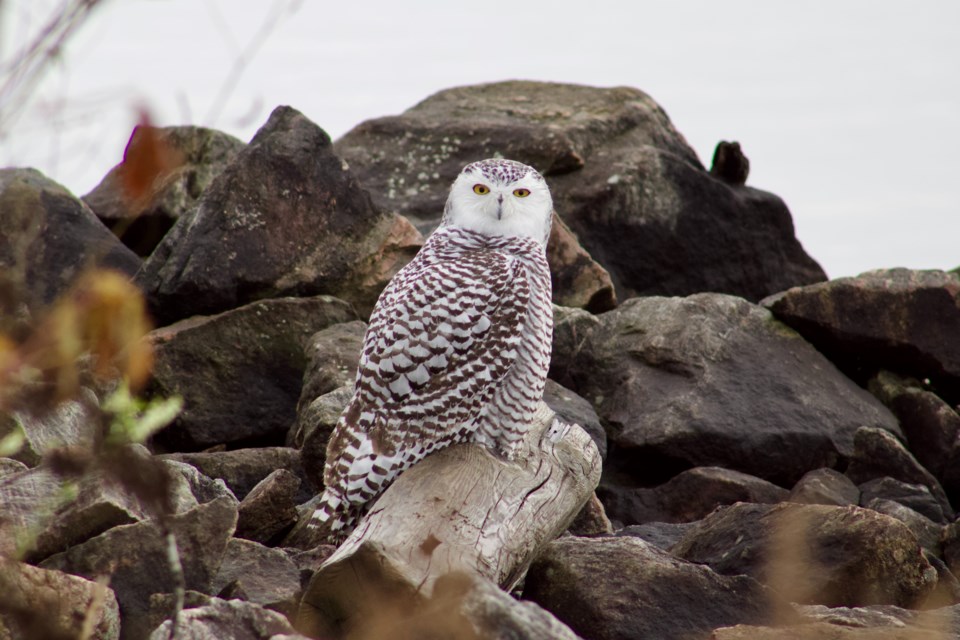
[39, 518]
[9, 466]
[662, 535]
[572, 408]
[49, 238]
[821, 631]
[825, 486]
[926, 530]
[893, 319]
[71, 423]
[232, 619]
[135, 556]
[950, 540]
[877, 453]
[258, 574]
[577, 279]
[203, 487]
[712, 380]
[624, 588]
[688, 496]
[930, 425]
[947, 592]
[261, 346]
[570, 329]
[944, 620]
[729, 164]
[814, 554]
[917, 497]
[620, 174]
[38, 603]
[269, 509]
[592, 520]
[880, 615]
[333, 357]
[242, 469]
[309, 560]
[162, 605]
[196, 154]
[266, 227]
[477, 608]
[316, 423]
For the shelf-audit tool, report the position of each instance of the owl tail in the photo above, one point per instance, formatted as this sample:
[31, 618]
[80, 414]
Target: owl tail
[334, 518]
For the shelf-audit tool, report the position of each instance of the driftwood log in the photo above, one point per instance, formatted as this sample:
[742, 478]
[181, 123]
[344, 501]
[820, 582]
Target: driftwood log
[460, 510]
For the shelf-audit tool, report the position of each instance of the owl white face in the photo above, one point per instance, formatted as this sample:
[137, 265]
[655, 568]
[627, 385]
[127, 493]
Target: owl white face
[500, 198]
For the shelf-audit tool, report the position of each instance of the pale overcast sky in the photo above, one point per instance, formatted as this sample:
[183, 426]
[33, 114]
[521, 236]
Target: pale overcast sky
[850, 111]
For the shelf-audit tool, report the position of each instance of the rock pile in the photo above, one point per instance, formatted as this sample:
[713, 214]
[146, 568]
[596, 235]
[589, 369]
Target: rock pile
[780, 451]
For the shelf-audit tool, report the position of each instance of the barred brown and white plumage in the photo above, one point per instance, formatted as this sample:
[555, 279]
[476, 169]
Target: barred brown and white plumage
[458, 345]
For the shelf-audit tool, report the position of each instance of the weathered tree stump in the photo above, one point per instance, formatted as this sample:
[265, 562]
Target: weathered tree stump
[461, 509]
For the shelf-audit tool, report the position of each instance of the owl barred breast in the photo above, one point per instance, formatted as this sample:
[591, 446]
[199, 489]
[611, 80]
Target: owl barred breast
[458, 346]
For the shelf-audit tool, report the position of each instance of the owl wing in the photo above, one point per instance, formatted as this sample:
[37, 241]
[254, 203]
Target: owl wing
[441, 337]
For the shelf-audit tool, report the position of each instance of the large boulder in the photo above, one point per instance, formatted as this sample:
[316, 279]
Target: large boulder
[895, 319]
[688, 496]
[175, 165]
[255, 573]
[39, 603]
[49, 236]
[814, 554]
[623, 179]
[136, 557]
[239, 372]
[243, 469]
[930, 424]
[711, 380]
[285, 218]
[270, 508]
[878, 454]
[71, 423]
[38, 518]
[606, 588]
[234, 619]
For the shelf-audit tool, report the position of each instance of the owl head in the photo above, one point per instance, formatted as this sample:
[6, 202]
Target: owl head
[500, 198]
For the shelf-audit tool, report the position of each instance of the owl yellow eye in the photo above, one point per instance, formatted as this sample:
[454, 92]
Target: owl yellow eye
[481, 190]
[521, 193]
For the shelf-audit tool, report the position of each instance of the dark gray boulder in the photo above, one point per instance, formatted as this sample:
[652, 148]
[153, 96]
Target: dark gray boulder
[41, 603]
[49, 236]
[814, 554]
[75, 422]
[931, 426]
[261, 347]
[333, 355]
[243, 469]
[270, 508]
[623, 179]
[894, 319]
[918, 497]
[234, 619]
[258, 574]
[710, 380]
[878, 454]
[285, 218]
[135, 556]
[606, 588]
[825, 486]
[172, 166]
[688, 496]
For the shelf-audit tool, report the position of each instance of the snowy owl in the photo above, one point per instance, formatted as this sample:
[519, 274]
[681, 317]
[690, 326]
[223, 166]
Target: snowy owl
[458, 345]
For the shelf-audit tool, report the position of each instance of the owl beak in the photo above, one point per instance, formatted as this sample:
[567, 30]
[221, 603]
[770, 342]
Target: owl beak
[500, 206]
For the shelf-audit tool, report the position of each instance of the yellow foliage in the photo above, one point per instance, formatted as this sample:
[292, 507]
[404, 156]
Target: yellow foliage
[101, 320]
